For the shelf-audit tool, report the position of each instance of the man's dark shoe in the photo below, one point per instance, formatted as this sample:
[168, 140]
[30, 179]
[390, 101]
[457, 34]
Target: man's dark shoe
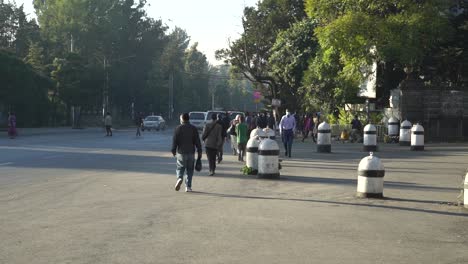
[178, 184]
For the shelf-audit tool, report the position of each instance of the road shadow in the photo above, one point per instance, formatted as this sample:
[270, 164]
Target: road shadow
[391, 207]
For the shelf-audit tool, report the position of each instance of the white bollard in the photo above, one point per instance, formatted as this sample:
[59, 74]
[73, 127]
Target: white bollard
[370, 138]
[254, 132]
[324, 138]
[465, 190]
[417, 137]
[252, 154]
[405, 133]
[270, 133]
[268, 159]
[393, 127]
[371, 174]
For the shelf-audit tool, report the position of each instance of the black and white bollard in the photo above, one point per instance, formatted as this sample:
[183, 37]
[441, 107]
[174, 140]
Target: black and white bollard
[371, 174]
[370, 138]
[252, 154]
[465, 190]
[324, 138]
[270, 133]
[417, 137]
[392, 126]
[405, 133]
[268, 159]
[254, 132]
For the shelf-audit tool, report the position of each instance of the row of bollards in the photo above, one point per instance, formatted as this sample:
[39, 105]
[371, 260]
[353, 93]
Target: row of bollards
[409, 136]
[263, 155]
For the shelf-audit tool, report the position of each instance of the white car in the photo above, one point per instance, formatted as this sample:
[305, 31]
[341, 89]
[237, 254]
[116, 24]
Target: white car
[154, 122]
[198, 119]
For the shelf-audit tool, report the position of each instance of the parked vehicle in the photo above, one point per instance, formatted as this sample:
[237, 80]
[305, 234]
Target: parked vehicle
[208, 118]
[233, 114]
[198, 119]
[154, 122]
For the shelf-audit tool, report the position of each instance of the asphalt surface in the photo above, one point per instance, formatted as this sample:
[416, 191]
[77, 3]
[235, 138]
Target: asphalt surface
[76, 196]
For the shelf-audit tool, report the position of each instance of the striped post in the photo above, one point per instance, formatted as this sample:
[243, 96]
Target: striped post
[370, 138]
[371, 174]
[405, 133]
[417, 137]
[324, 138]
[268, 159]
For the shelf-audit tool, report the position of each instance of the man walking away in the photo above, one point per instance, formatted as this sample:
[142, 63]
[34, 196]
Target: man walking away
[212, 136]
[287, 126]
[271, 121]
[356, 127]
[184, 142]
[139, 124]
[315, 124]
[108, 124]
[242, 138]
[221, 120]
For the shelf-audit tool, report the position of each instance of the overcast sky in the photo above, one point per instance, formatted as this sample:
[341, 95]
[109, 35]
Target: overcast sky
[211, 23]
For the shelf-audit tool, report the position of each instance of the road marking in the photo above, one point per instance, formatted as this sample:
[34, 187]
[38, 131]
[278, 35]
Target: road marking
[6, 163]
[53, 157]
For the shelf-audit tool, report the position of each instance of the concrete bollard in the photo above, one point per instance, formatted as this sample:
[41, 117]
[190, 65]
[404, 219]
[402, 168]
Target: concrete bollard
[392, 126]
[254, 132]
[324, 138]
[370, 138]
[252, 154]
[417, 137]
[270, 133]
[405, 133]
[371, 174]
[465, 190]
[268, 159]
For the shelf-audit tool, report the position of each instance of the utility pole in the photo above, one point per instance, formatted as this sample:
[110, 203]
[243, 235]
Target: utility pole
[105, 96]
[171, 95]
[71, 42]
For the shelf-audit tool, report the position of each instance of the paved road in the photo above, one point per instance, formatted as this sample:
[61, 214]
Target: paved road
[80, 197]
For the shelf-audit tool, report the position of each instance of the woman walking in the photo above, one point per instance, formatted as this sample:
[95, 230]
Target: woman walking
[12, 125]
[306, 127]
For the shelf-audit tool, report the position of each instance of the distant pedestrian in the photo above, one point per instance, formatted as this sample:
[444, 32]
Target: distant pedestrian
[287, 127]
[306, 126]
[12, 133]
[224, 126]
[184, 142]
[212, 136]
[315, 124]
[242, 138]
[262, 121]
[271, 121]
[356, 129]
[108, 124]
[139, 124]
[233, 136]
[248, 121]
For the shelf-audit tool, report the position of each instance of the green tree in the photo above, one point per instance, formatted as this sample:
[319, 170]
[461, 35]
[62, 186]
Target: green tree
[402, 32]
[23, 91]
[249, 55]
[290, 56]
